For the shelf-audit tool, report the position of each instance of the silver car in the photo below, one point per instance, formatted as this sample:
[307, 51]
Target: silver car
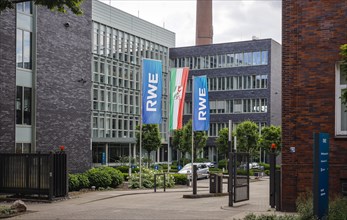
[202, 171]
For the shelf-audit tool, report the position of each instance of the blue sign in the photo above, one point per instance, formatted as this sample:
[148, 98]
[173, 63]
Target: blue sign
[151, 91]
[179, 167]
[156, 167]
[321, 175]
[201, 108]
[103, 158]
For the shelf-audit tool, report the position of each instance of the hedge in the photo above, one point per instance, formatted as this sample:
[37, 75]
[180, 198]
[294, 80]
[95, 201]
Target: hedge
[180, 179]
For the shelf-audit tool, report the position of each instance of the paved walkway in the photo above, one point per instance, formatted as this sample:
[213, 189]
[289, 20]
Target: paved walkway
[145, 204]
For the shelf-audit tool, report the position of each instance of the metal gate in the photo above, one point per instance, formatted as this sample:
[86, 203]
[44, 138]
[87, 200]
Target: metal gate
[239, 176]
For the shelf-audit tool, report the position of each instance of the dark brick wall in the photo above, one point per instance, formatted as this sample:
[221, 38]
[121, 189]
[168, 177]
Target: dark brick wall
[312, 34]
[7, 80]
[64, 103]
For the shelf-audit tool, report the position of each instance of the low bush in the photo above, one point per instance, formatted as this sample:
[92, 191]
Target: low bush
[99, 178]
[270, 217]
[78, 181]
[126, 176]
[83, 181]
[173, 170]
[123, 169]
[116, 176]
[265, 165]
[148, 179]
[216, 170]
[222, 164]
[73, 182]
[180, 179]
[201, 160]
[267, 172]
[173, 167]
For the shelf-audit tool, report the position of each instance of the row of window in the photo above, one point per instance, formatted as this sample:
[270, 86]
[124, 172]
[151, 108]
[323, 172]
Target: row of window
[111, 99]
[223, 60]
[235, 106]
[23, 105]
[216, 127]
[118, 126]
[115, 153]
[118, 74]
[234, 83]
[125, 47]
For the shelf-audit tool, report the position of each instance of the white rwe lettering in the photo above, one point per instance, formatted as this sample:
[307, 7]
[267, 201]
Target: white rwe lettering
[151, 104]
[202, 105]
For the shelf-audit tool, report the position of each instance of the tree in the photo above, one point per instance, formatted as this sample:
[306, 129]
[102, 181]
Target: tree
[151, 139]
[222, 141]
[55, 5]
[343, 52]
[247, 135]
[270, 135]
[177, 141]
[200, 139]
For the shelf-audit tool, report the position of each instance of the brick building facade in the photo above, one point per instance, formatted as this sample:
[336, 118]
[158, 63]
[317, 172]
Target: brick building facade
[312, 34]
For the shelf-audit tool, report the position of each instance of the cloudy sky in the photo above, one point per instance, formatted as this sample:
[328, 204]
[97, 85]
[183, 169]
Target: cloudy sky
[233, 20]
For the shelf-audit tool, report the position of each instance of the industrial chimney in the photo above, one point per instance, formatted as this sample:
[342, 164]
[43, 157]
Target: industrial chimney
[204, 29]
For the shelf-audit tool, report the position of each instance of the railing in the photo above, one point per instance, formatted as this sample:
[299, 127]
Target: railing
[34, 174]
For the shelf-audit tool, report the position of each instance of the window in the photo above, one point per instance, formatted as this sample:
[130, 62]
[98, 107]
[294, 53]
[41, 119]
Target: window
[24, 7]
[256, 58]
[340, 108]
[23, 106]
[264, 57]
[23, 148]
[24, 43]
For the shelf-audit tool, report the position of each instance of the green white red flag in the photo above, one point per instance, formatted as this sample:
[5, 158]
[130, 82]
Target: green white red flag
[178, 86]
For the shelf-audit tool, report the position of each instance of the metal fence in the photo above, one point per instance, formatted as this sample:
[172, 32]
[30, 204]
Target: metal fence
[34, 174]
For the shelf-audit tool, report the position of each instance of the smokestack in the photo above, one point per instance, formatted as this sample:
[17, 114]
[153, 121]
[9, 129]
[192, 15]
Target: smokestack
[204, 29]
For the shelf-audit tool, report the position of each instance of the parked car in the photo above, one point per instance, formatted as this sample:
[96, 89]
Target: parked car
[210, 164]
[202, 172]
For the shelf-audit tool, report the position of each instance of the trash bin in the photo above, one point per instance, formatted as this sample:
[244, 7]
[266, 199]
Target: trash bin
[213, 183]
[216, 183]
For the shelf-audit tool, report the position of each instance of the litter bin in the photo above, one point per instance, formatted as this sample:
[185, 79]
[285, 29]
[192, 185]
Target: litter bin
[213, 183]
[216, 183]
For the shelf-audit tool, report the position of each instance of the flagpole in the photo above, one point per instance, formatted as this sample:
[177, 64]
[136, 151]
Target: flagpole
[140, 173]
[192, 122]
[168, 130]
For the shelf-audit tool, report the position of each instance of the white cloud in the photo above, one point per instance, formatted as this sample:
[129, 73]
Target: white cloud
[233, 20]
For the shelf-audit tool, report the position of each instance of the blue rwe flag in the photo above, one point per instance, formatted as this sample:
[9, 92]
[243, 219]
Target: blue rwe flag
[201, 108]
[151, 91]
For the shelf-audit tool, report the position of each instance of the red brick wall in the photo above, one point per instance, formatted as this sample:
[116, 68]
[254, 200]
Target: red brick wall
[312, 34]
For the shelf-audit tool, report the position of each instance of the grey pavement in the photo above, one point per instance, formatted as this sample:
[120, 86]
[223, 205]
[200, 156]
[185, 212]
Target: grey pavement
[145, 204]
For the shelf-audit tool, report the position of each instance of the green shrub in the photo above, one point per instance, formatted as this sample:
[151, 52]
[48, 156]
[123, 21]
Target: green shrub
[201, 160]
[270, 217]
[215, 170]
[180, 179]
[244, 172]
[338, 208]
[148, 179]
[173, 167]
[73, 182]
[173, 170]
[174, 162]
[83, 181]
[265, 165]
[116, 176]
[125, 176]
[222, 164]
[123, 169]
[99, 178]
[267, 172]
[304, 206]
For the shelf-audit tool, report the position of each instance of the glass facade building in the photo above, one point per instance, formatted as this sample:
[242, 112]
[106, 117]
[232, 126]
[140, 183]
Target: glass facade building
[116, 69]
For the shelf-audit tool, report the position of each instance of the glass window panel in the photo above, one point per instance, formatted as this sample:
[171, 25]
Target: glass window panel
[27, 106]
[19, 48]
[19, 104]
[343, 114]
[264, 57]
[256, 58]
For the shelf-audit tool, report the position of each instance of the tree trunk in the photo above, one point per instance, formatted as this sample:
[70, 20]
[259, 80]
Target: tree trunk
[148, 159]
